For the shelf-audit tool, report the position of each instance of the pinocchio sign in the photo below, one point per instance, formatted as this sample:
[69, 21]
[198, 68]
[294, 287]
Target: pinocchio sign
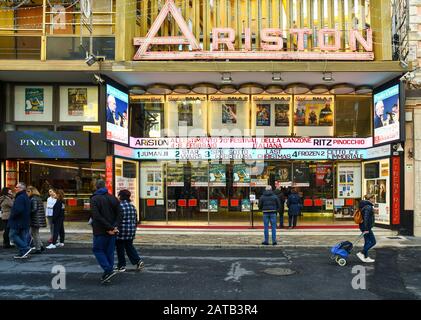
[272, 43]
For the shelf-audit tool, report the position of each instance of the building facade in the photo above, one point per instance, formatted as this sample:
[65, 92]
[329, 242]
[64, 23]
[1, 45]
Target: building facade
[198, 105]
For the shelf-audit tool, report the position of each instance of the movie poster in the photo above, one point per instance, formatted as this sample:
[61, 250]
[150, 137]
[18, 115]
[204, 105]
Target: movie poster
[283, 175]
[172, 205]
[313, 111]
[262, 115]
[77, 101]
[203, 205]
[217, 175]
[151, 180]
[185, 114]
[229, 113]
[282, 114]
[260, 175]
[175, 175]
[245, 205]
[241, 175]
[301, 173]
[381, 191]
[213, 205]
[324, 175]
[199, 176]
[117, 115]
[370, 187]
[34, 101]
[349, 180]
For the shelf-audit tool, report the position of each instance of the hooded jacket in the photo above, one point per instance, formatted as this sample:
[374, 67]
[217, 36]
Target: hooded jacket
[269, 202]
[106, 212]
[294, 204]
[367, 211]
[20, 213]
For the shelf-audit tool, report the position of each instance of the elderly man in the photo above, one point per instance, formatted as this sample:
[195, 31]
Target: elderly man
[111, 110]
[379, 112]
[269, 204]
[19, 221]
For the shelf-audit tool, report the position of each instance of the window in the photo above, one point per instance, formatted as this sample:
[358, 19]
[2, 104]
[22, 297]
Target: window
[353, 116]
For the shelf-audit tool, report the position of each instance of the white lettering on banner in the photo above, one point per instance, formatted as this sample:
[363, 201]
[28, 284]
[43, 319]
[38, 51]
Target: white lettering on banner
[48, 142]
[249, 143]
[241, 154]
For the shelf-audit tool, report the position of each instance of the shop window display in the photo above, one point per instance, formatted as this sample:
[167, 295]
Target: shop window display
[147, 114]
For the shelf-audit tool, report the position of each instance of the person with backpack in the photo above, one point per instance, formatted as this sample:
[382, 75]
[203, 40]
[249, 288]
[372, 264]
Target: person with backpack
[37, 217]
[106, 215]
[269, 204]
[366, 226]
[294, 208]
[127, 233]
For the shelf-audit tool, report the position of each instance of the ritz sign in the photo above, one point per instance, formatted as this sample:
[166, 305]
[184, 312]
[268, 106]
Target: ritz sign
[271, 43]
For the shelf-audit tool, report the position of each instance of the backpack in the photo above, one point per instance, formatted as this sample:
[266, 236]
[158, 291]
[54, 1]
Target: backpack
[358, 216]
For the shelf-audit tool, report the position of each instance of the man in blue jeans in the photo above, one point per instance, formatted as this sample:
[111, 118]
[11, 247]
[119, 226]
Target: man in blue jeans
[269, 204]
[106, 216]
[19, 221]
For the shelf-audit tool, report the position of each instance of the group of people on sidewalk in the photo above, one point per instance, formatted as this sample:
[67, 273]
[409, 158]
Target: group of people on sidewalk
[271, 203]
[23, 214]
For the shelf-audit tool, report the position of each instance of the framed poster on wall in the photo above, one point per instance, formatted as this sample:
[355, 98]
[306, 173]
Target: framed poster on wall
[78, 103]
[348, 180]
[33, 103]
[271, 115]
[376, 181]
[313, 115]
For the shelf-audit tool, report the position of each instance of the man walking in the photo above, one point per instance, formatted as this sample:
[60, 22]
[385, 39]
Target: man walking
[269, 204]
[19, 220]
[106, 216]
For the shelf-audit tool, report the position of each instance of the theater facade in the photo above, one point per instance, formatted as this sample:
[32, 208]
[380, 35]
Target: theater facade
[204, 103]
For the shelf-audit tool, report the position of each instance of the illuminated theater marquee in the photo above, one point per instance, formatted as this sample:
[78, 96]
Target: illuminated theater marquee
[272, 43]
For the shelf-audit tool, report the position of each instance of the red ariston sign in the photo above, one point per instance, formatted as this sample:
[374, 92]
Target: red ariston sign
[272, 43]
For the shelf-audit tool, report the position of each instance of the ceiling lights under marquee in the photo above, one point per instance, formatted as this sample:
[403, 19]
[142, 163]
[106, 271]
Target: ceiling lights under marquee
[297, 88]
[363, 90]
[159, 88]
[319, 89]
[205, 88]
[342, 88]
[137, 90]
[227, 89]
[274, 89]
[182, 89]
[251, 88]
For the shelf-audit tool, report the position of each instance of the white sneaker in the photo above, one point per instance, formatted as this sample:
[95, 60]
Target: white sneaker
[51, 246]
[368, 259]
[60, 244]
[360, 255]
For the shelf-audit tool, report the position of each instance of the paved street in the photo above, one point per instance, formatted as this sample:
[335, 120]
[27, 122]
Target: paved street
[215, 274]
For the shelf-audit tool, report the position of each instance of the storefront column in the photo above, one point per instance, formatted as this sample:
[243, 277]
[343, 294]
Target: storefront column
[417, 173]
[380, 11]
[125, 30]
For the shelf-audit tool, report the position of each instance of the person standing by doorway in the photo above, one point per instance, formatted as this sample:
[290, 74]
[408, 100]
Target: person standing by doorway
[19, 220]
[37, 217]
[127, 233]
[366, 207]
[51, 201]
[58, 221]
[106, 216]
[280, 193]
[6, 204]
[294, 208]
[269, 204]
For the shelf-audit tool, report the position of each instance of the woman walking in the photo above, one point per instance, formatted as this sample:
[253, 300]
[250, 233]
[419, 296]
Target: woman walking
[294, 208]
[127, 232]
[58, 221]
[6, 204]
[366, 207]
[51, 201]
[37, 217]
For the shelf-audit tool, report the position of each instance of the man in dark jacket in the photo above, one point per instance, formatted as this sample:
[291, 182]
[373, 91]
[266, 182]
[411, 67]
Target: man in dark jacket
[294, 208]
[106, 216]
[366, 207]
[19, 220]
[280, 193]
[269, 204]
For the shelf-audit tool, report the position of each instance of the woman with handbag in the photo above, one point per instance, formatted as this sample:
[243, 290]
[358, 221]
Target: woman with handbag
[6, 204]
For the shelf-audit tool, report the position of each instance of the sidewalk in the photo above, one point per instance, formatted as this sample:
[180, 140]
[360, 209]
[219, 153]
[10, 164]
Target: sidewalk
[215, 238]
